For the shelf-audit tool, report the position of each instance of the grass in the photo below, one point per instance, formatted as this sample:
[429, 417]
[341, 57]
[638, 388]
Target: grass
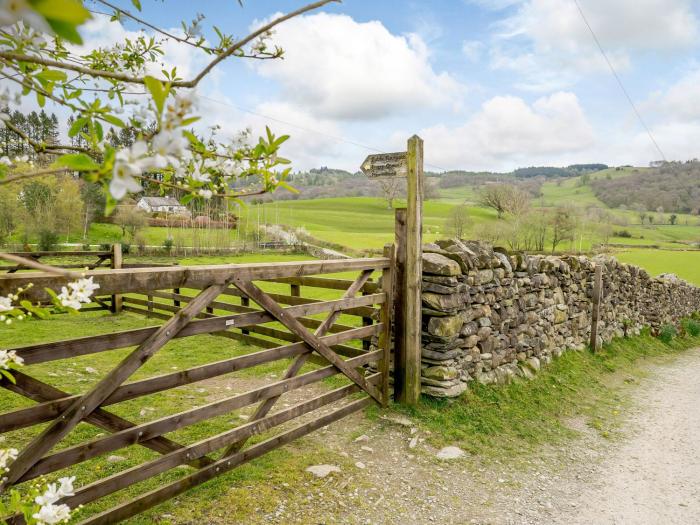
[498, 421]
[685, 264]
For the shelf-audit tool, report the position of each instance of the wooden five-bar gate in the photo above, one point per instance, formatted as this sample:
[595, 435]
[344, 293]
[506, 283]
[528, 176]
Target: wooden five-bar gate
[235, 301]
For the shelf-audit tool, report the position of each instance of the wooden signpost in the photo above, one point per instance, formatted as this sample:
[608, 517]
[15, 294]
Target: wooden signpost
[409, 268]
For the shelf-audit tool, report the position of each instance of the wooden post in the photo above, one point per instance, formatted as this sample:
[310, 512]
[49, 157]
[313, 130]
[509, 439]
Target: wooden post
[399, 303]
[367, 321]
[295, 290]
[245, 301]
[595, 307]
[386, 316]
[414, 269]
[176, 302]
[116, 264]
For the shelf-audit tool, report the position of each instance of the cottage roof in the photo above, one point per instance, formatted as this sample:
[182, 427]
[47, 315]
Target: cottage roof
[160, 201]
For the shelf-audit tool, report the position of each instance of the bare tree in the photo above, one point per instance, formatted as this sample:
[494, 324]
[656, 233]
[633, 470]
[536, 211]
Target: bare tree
[391, 188]
[504, 198]
[563, 225]
[458, 221]
[131, 220]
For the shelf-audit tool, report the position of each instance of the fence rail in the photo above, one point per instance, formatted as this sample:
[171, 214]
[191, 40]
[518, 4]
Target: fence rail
[241, 302]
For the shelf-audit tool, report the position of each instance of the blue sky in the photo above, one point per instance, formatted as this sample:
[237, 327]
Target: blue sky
[489, 84]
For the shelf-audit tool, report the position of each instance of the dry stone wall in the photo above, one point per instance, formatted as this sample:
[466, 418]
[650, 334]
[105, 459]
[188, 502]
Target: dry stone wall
[489, 316]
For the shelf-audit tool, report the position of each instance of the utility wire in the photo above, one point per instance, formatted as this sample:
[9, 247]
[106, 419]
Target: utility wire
[619, 80]
[309, 130]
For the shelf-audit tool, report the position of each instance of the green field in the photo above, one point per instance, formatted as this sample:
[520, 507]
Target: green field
[685, 264]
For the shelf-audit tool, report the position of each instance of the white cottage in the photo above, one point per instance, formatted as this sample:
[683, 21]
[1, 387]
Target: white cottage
[162, 205]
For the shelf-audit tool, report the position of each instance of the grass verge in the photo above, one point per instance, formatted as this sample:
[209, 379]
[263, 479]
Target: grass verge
[492, 420]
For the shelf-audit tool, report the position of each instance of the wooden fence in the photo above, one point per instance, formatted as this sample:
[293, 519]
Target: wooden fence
[234, 301]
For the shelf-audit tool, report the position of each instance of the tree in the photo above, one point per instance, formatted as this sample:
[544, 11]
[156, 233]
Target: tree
[563, 226]
[504, 198]
[8, 213]
[391, 188]
[167, 150]
[458, 221]
[673, 218]
[131, 220]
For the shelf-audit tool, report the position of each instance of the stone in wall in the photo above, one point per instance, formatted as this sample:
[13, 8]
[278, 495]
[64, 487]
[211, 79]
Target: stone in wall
[489, 316]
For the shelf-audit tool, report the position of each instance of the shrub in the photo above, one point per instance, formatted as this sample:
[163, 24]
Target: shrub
[667, 333]
[168, 244]
[105, 247]
[140, 242]
[126, 247]
[691, 327]
[86, 247]
[622, 233]
[47, 240]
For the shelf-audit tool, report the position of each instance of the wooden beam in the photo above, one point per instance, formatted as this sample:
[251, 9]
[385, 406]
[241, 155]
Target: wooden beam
[387, 313]
[595, 305]
[399, 327]
[135, 280]
[414, 267]
[293, 324]
[90, 401]
[116, 264]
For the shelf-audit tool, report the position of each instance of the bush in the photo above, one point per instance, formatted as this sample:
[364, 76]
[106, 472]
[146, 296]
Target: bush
[168, 244]
[86, 247]
[691, 327]
[622, 233]
[105, 247]
[126, 247]
[140, 242]
[47, 240]
[667, 333]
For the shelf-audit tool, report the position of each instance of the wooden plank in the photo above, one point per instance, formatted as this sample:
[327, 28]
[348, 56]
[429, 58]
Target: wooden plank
[73, 253]
[43, 352]
[84, 406]
[325, 282]
[399, 304]
[49, 409]
[595, 305]
[387, 284]
[116, 264]
[257, 295]
[148, 500]
[414, 267]
[38, 391]
[208, 445]
[146, 431]
[134, 280]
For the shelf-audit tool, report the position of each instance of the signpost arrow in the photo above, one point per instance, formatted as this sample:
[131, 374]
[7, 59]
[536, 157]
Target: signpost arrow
[385, 165]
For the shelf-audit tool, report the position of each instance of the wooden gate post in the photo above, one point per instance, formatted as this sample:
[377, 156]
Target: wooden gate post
[399, 304]
[414, 270]
[116, 264]
[595, 307]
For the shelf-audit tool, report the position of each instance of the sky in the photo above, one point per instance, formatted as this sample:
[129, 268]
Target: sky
[488, 84]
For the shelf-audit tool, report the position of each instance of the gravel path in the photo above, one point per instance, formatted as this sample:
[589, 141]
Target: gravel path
[653, 477]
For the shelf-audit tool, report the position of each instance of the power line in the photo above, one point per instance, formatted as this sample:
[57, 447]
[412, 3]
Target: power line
[619, 80]
[310, 130]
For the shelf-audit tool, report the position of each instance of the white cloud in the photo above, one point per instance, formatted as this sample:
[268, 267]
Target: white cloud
[338, 68]
[547, 36]
[680, 102]
[473, 50]
[507, 132]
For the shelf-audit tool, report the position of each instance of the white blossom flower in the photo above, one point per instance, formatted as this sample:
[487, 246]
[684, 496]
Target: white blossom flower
[68, 299]
[168, 146]
[5, 304]
[51, 514]
[50, 496]
[206, 193]
[66, 488]
[12, 11]
[5, 160]
[126, 167]
[199, 176]
[7, 455]
[83, 289]
[8, 357]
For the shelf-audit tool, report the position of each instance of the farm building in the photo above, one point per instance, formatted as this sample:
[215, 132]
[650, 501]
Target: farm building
[162, 204]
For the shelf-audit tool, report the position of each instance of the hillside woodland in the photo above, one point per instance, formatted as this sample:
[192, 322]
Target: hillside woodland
[670, 187]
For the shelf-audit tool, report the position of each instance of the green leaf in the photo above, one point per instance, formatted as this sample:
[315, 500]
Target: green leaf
[52, 75]
[113, 120]
[187, 197]
[287, 187]
[137, 4]
[65, 30]
[77, 126]
[8, 375]
[77, 161]
[158, 92]
[41, 99]
[70, 11]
